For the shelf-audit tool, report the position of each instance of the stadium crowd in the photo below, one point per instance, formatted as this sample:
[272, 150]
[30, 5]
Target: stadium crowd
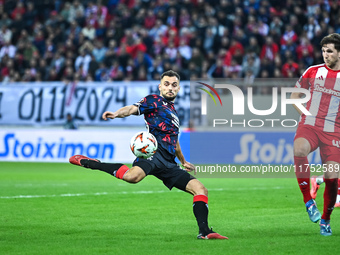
[114, 40]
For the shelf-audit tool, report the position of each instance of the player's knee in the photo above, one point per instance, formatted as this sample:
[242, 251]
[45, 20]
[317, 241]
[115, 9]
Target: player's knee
[201, 191]
[331, 175]
[132, 178]
[301, 147]
[205, 191]
[300, 151]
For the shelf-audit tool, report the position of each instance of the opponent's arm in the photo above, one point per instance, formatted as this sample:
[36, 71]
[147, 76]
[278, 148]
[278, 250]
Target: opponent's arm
[296, 95]
[187, 165]
[121, 113]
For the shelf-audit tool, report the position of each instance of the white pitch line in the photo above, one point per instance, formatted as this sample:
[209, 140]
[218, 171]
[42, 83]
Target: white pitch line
[131, 192]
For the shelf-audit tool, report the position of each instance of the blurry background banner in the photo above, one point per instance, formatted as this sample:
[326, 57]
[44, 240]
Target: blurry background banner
[43, 104]
[112, 145]
[52, 145]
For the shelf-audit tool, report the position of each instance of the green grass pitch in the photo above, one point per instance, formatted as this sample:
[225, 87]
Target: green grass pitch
[51, 208]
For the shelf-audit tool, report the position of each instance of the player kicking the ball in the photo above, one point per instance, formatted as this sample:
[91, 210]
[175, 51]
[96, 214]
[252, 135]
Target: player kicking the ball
[162, 121]
[320, 129]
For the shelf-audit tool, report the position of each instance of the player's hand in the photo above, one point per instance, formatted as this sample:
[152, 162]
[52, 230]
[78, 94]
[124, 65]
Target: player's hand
[188, 167]
[108, 115]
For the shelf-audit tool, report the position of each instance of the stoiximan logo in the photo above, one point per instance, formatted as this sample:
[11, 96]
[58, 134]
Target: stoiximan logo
[204, 97]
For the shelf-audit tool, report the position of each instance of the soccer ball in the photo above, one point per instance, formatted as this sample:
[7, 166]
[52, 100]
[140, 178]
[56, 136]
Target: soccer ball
[143, 145]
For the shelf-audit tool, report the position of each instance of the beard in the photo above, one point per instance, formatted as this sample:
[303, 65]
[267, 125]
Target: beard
[169, 98]
[331, 64]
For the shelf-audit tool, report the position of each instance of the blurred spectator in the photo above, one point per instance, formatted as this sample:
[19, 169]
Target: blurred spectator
[150, 19]
[249, 77]
[267, 65]
[311, 27]
[99, 51]
[262, 28]
[156, 69]
[5, 35]
[101, 30]
[253, 46]
[158, 30]
[251, 64]
[290, 69]
[83, 60]
[52, 20]
[102, 73]
[30, 51]
[30, 16]
[235, 46]
[304, 48]
[116, 71]
[70, 124]
[7, 50]
[66, 11]
[5, 20]
[217, 70]
[93, 66]
[42, 69]
[171, 51]
[234, 70]
[289, 37]
[18, 10]
[58, 63]
[76, 10]
[276, 25]
[269, 49]
[89, 31]
[17, 26]
[184, 50]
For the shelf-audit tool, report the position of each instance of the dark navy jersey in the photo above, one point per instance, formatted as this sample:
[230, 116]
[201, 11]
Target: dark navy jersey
[162, 121]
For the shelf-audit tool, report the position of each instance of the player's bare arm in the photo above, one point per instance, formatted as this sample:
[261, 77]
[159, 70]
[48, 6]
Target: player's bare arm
[187, 165]
[121, 113]
[296, 95]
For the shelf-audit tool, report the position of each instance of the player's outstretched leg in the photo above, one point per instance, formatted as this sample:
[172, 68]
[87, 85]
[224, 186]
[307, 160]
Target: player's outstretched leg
[80, 160]
[200, 207]
[116, 169]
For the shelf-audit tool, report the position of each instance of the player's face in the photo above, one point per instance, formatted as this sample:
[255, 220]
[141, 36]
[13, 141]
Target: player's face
[169, 87]
[330, 55]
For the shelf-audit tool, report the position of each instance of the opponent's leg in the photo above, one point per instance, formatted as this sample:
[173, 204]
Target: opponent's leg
[337, 203]
[329, 196]
[302, 171]
[201, 210]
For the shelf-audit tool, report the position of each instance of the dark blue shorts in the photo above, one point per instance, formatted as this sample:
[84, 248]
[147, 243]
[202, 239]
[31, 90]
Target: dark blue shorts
[167, 171]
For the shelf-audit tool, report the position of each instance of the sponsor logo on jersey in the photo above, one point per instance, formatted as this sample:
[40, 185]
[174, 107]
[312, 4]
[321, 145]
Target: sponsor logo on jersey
[327, 91]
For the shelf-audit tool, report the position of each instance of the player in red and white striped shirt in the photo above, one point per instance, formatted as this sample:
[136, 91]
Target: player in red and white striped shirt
[321, 129]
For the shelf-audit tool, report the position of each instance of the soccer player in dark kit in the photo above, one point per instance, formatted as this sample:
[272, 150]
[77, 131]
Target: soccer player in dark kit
[162, 121]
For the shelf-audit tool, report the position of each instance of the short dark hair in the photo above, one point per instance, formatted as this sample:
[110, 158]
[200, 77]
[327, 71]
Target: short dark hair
[170, 73]
[331, 38]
